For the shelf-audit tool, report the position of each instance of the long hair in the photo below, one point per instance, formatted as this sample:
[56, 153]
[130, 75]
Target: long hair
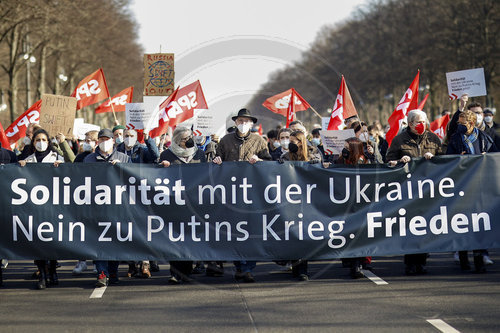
[303, 153]
[356, 152]
[37, 133]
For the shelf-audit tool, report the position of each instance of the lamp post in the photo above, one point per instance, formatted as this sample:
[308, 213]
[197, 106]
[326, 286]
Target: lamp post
[29, 60]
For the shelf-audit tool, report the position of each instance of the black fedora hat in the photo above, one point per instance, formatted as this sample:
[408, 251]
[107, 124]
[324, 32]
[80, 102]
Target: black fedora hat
[245, 113]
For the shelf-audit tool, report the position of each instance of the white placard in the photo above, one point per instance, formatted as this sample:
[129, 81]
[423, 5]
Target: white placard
[470, 81]
[324, 123]
[78, 122]
[204, 124]
[333, 141]
[140, 117]
[84, 128]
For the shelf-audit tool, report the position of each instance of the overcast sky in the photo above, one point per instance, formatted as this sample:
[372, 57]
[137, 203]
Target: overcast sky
[232, 46]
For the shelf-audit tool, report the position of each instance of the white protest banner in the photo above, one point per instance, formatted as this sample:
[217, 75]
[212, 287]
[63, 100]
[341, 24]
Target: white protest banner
[204, 124]
[470, 81]
[57, 114]
[80, 128]
[333, 141]
[140, 117]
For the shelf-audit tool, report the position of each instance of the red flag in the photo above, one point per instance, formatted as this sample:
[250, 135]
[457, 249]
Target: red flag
[280, 103]
[343, 107]
[3, 139]
[407, 103]
[179, 107]
[119, 100]
[438, 126]
[421, 105]
[260, 129]
[91, 90]
[17, 129]
[290, 112]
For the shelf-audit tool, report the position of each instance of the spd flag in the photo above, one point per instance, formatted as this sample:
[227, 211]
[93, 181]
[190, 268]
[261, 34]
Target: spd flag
[117, 102]
[91, 89]
[279, 103]
[438, 126]
[17, 129]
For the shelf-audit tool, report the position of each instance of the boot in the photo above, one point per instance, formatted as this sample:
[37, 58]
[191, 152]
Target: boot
[42, 277]
[53, 279]
[356, 269]
[479, 263]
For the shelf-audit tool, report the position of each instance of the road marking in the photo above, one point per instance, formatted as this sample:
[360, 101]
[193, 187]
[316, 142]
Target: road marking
[375, 279]
[442, 326]
[98, 292]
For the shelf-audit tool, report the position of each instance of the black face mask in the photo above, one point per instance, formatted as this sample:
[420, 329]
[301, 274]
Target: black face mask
[190, 143]
[345, 153]
[293, 148]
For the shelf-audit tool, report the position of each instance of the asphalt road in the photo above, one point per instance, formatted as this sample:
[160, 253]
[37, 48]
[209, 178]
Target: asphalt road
[444, 300]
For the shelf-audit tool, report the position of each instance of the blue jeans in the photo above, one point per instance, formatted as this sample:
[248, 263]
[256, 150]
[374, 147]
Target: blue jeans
[245, 266]
[108, 267]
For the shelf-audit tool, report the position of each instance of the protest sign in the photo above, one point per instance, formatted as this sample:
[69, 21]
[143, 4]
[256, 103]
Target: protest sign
[138, 117]
[205, 124]
[333, 141]
[80, 128]
[57, 114]
[158, 74]
[238, 211]
[470, 81]
[324, 123]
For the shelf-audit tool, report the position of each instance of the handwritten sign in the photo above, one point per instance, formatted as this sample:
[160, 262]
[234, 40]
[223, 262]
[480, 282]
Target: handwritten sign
[57, 114]
[159, 74]
[470, 81]
[333, 141]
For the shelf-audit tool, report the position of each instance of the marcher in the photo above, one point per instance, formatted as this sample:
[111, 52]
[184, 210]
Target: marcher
[105, 152]
[242, 145]
[182, 151]
[28, 148]
[44, 153]
[414, 141]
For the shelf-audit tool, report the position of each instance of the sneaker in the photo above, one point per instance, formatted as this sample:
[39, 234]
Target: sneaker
[132, 270]
[80, 267]
[5, 263]
[487, 260]
[303, 277]
[173, 280]
[102, 280]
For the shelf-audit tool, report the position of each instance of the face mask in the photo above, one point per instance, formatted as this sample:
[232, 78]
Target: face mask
[189, 143]
[293, 147]
[285, 143]
[479, 119]
[363, 137]
[26, 141]
[41, 146]
[488, 119]
[244, 128]
[420, 128]
[106, 146]
[88, 146]
[119, 140]
[276, 144]
[316, 141]
[345, 153]
[130, 141]
[461, 129]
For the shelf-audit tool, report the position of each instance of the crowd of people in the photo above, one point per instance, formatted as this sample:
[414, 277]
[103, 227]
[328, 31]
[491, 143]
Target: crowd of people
[470, 131]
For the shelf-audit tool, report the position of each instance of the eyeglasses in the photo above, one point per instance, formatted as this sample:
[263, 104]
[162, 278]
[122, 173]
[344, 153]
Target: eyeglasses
[186, 139]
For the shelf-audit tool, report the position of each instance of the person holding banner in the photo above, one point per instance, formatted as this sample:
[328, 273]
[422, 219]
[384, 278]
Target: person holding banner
[44, 154]
[105, 152]
[468, 139]
[182, 150]
[28, 148]
[414, 141]
[242, 145]
[298, 150]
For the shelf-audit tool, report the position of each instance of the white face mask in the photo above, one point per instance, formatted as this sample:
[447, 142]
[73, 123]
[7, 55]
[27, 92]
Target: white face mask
[119, 140]
[26, 141]
[41, 145]
[130, 141]
[479, 119]
[488, 119]
[285, 143]
[88, 146]
[106, 146]
[363, 137]
[244, 128]
[276, 144]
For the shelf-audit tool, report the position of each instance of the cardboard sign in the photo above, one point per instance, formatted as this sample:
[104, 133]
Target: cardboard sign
[470, 81]
[159, 74]
[57, 114]
[205, 124]
[333, 141]
[80, 128]
[139, 117]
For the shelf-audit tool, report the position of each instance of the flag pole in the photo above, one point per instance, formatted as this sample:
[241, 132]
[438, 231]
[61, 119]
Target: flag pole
[113, 109]
[316, 112]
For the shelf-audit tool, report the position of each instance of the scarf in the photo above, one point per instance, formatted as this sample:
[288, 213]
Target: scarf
[185, 154]
[468, 141]
[40, 155]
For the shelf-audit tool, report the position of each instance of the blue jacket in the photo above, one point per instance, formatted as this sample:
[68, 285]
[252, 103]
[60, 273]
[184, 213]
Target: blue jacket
[98, 157]
[141, 153]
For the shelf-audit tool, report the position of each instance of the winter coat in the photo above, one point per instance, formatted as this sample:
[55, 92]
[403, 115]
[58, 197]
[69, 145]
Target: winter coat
[50, 158]
[235, 148]
[168, 155]
[141, 153]
[457, 146]
[98, 157]
[404, 144]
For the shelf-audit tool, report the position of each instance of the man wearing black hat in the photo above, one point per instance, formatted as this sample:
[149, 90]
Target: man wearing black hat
[242, 145]
[106, 152]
